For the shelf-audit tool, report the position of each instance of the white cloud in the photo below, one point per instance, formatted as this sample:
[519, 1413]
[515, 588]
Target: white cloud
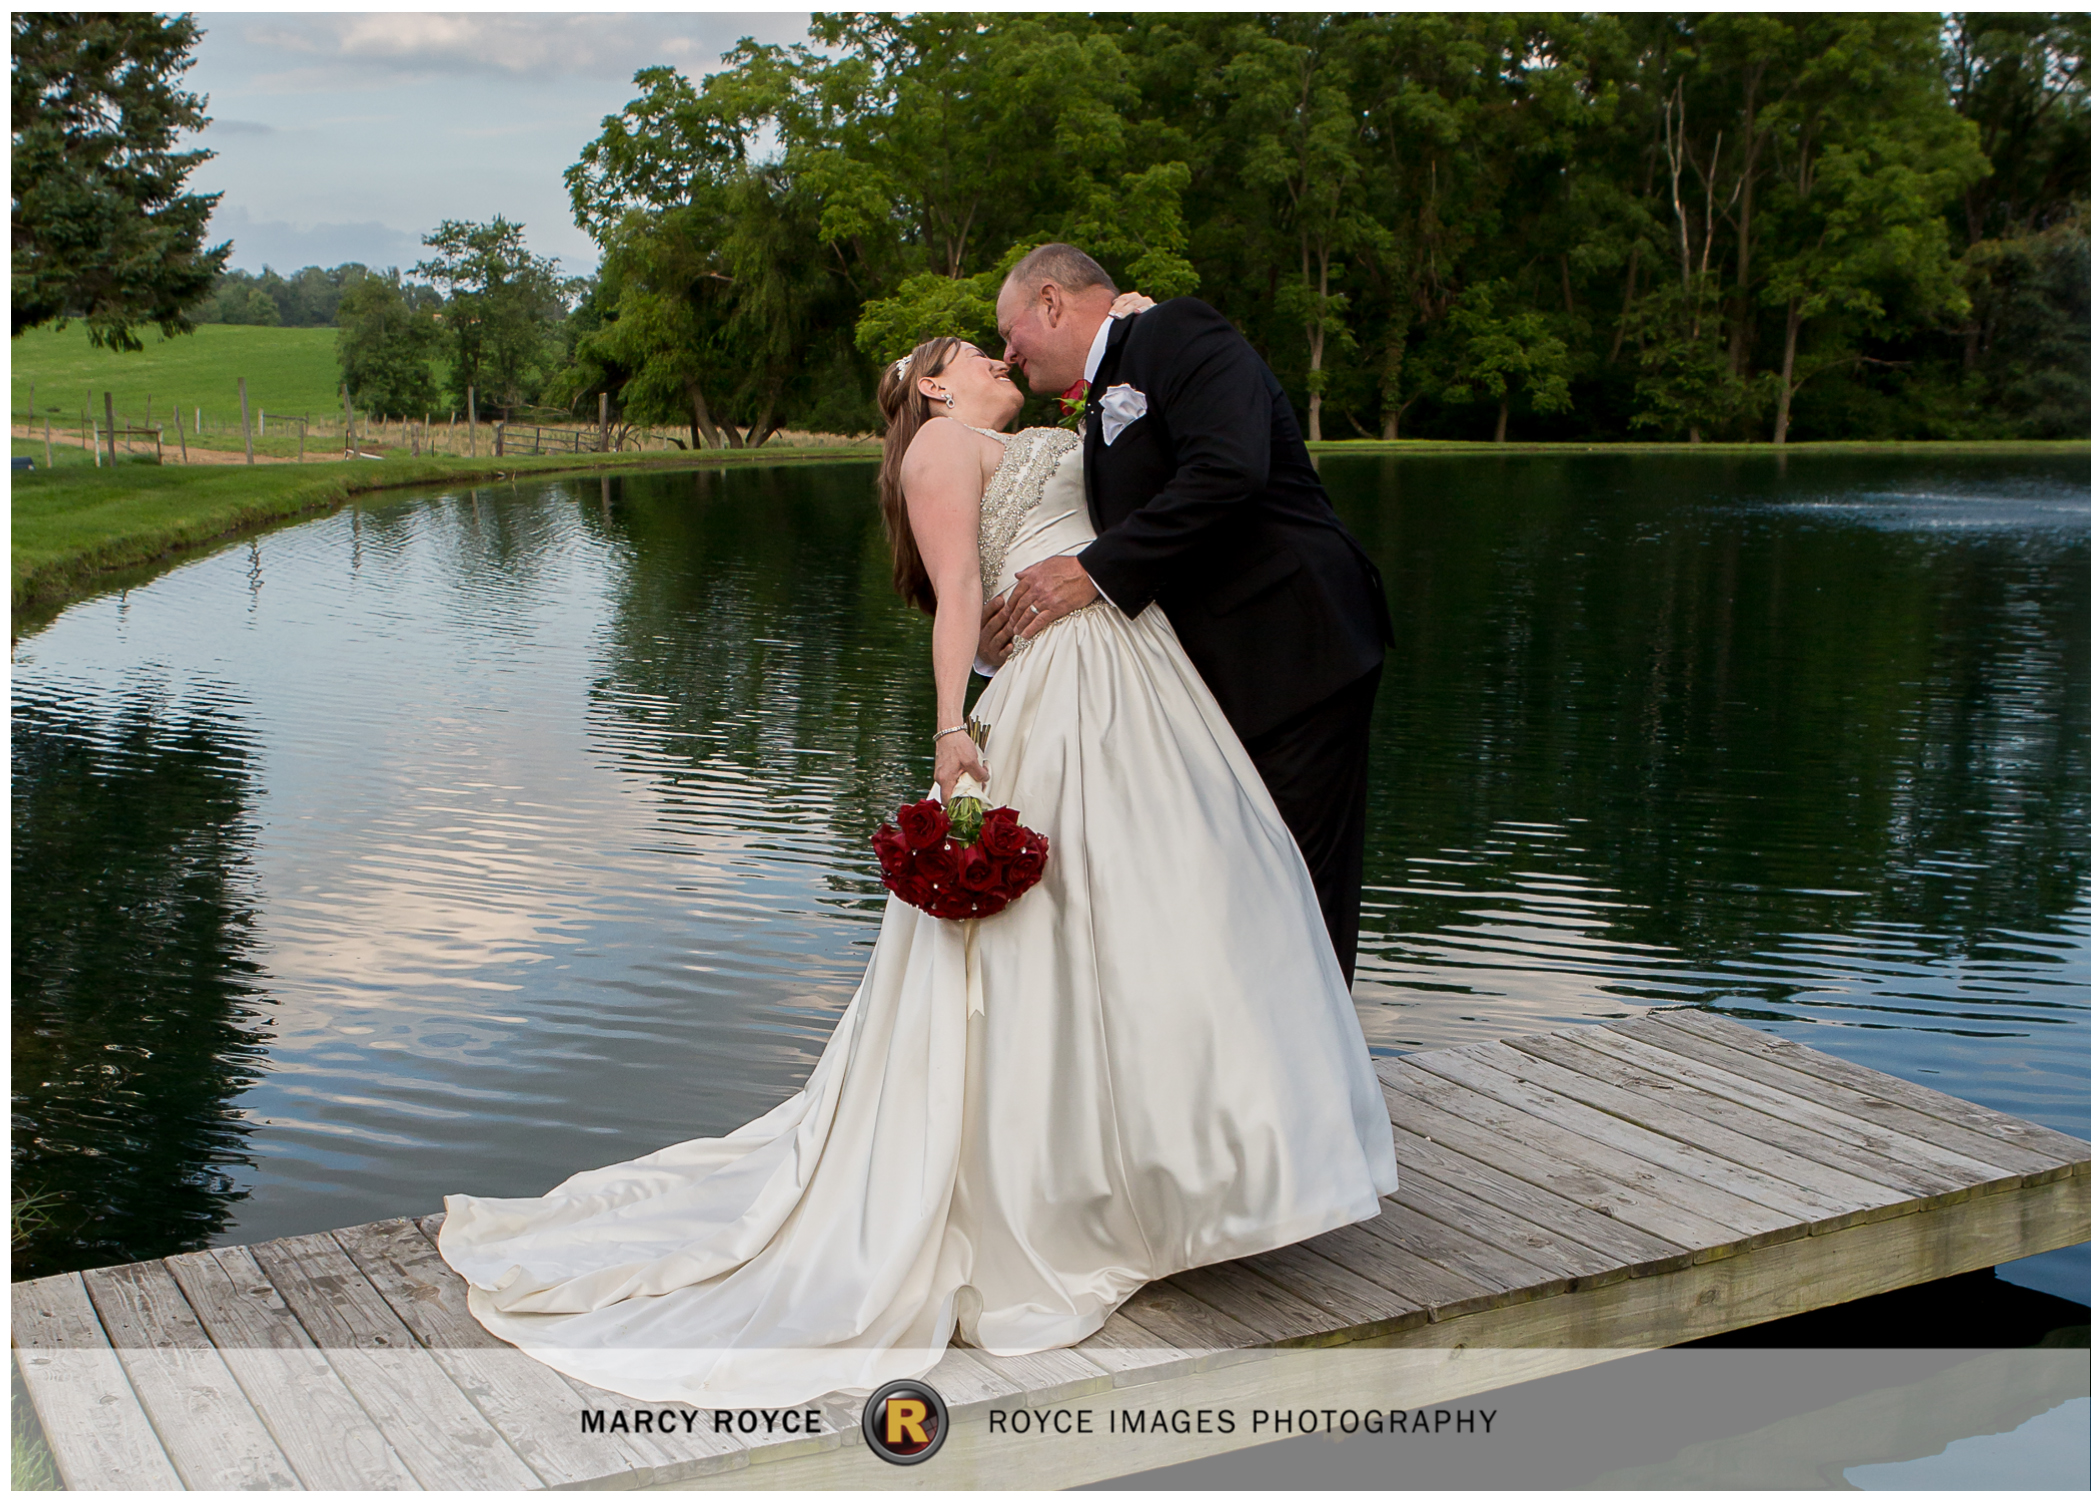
[393, 47]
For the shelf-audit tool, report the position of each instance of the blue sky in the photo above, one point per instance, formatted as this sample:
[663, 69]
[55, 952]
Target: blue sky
[348, 136]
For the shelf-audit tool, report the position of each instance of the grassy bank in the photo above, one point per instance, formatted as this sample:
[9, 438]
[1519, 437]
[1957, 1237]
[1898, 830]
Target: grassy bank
[77, 528]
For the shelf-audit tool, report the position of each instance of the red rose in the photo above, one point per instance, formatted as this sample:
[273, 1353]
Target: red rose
[949, 905]
[911, 887]
[1025, 869]
[891, 849]
[937, 864]
[1002, 835]
[976, 871]
[923, 824]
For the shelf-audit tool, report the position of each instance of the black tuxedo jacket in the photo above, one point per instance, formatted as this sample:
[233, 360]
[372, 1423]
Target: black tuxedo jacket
[1210, 505]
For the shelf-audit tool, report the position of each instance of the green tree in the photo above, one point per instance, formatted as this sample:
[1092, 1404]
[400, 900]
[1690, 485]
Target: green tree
[384, 346]
[1504, 348]
[1293, 105]
[101, 229]
[503, 305]
[1872, 152]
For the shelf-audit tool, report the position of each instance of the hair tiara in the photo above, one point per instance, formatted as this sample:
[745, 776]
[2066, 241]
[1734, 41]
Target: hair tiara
[897, 370]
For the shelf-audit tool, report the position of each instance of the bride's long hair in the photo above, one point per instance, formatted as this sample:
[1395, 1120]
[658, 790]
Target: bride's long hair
[906, 411]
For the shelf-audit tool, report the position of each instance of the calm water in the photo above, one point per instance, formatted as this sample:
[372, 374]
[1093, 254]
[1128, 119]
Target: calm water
[464, 840]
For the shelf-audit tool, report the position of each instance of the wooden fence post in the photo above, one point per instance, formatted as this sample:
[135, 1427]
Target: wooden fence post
[109, 426]
[604, 427]
[247, 438]
[349, 433]
[471, 451]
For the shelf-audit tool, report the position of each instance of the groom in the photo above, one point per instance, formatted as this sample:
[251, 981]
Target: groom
[1205, 500]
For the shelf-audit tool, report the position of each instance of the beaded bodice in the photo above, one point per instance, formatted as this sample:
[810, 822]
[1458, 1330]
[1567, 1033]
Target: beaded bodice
[1014, 497]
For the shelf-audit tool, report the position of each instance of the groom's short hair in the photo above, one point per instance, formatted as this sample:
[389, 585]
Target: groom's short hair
[1067, 265]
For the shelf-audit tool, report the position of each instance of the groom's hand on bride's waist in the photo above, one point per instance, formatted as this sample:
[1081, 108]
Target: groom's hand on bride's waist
[1049, 590]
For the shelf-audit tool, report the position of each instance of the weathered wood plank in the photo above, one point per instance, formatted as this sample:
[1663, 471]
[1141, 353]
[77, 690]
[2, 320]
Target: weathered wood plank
[1490, 1265]
[2051, 1145]
[1571, 1074]
[526, 1401]
[667, 1458]
[1263, 1305]
[1426, 1290]
[439, 1434]
[1627, 1058]
[1787, 1207]
[213, 1435]
[1780, 1279]
[1557, 1231]
[100, 1436]
[1335, 1289]
[1050, 1375]
[1162, 1331]
[331, 1441]
[1872, 1097]
[964, 1381]
[1621, 1186]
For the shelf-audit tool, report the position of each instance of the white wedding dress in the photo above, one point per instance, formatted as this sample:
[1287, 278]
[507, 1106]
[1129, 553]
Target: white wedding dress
[1148, 1062]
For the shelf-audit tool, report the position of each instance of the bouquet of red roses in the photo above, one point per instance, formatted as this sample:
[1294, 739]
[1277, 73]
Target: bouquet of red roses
[963, 860]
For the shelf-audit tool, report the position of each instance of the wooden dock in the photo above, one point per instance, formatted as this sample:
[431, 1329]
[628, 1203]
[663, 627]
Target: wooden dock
[1564, 1199]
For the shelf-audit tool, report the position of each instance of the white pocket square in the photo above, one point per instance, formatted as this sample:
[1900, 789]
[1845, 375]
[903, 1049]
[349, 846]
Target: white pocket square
[1120, 406]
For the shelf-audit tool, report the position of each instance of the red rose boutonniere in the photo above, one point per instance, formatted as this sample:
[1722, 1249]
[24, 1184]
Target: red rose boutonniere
[1073, 404]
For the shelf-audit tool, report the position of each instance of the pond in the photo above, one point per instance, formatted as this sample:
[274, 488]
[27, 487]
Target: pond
[461, 840]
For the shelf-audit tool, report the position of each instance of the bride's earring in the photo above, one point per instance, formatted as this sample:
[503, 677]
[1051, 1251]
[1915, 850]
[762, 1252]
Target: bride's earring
[949, 397]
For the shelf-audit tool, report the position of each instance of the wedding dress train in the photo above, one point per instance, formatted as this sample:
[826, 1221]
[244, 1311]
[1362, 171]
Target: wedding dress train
[1149, 1062]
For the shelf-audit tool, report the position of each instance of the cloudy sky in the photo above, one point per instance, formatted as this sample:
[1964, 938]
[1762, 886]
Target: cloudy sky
[349, 136]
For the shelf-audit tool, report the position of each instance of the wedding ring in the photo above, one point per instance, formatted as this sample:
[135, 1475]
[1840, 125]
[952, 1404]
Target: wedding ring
[1035, 609]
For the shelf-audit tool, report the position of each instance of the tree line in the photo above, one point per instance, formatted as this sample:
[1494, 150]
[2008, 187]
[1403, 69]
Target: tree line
[1687, 226]
[1714, 226]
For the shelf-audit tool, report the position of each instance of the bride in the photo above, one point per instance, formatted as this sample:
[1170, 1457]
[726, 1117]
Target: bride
[1147, 1063]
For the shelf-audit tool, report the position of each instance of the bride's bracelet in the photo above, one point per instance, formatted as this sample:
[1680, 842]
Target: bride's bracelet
[956, 729]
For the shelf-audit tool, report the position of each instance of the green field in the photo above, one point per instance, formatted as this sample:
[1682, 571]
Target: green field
[290, 370]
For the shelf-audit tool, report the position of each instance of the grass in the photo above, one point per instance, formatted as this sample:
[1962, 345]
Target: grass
[290, 370]
[77, 528]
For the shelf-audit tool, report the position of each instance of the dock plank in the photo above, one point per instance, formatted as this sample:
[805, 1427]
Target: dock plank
[1574, 1074]
[1571, 1236]
[1887, 1102]
[1786, 1206]
[1275, 1314]
[1919, 1167]
[527, 1402]
[212, 1434]
[1975, 1122]
[1423, 1290]
[330, 1440]
[1479, 1260]
[440, 1435]
[99, 1434]
[1616, 1185]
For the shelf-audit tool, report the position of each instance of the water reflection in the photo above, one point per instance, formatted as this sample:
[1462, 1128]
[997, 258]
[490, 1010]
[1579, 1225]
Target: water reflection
[559, 793]
[136, 989]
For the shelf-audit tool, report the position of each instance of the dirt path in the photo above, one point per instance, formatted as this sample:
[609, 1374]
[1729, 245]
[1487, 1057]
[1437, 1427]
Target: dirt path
[171, 451]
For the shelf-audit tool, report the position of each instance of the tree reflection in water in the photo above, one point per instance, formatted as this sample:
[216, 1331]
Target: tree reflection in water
[136, 995]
